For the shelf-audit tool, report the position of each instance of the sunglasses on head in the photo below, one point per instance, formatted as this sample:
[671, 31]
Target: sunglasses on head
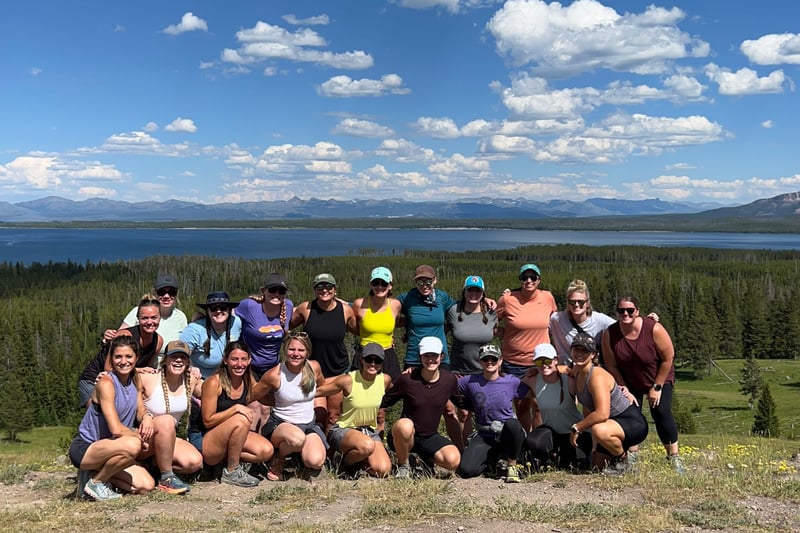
[489, 359]
[324, 286]
[543, 361]
[532, 277]
[167, 291]
[579, 303]
[378, 283]
[298, 335]
[372, 360]
[217, 307]
[277, 290]
[424, 282]
[626, 310]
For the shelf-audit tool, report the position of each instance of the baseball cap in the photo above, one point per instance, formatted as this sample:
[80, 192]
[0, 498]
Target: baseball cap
[530, 266]
[584, 340]
[489, 350]
[323, 278]
[430, 345]
[165, 280]
[177, 346]
[474, 281]
[424, 271]
[374, 349]
[381, 273]
[544, 351]
[274, 280]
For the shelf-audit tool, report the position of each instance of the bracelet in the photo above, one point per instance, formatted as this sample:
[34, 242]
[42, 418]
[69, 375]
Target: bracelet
[575, 429]
[149, 413]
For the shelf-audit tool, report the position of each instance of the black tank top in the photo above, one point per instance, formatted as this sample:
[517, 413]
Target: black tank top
[224, 402]
[326, 330]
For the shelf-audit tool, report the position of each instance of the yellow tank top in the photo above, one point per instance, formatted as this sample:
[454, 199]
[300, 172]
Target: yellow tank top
[377, 327]
[360, 407]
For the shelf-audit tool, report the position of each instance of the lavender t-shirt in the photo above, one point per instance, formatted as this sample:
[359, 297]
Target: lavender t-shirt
[262, 335]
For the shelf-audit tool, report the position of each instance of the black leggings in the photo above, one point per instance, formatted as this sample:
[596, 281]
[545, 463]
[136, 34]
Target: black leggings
[556, 449]
[475, 458]
[662, 415]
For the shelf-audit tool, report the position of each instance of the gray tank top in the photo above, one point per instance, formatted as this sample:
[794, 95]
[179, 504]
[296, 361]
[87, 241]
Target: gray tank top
[619, 403]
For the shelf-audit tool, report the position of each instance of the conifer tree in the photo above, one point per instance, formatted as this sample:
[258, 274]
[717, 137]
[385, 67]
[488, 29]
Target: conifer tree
[766, 421]
[751, 381]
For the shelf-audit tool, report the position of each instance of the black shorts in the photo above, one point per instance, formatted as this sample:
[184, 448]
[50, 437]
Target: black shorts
[273, 422]
[425, 447]
[77, 449]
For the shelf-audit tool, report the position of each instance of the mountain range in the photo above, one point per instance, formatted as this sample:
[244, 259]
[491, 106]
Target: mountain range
[57, 209]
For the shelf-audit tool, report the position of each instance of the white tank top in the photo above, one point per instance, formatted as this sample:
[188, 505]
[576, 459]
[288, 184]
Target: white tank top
[156, 404]
[291, 405]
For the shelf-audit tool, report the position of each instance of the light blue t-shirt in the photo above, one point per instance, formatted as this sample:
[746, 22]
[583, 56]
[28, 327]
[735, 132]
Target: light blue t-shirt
[195, 336]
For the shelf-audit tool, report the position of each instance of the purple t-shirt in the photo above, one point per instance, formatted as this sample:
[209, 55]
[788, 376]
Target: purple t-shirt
[492, 400]
[262, 335]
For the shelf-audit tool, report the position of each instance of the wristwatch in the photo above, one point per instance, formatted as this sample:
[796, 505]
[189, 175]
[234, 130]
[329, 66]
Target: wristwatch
[657, 387]
[575, 429]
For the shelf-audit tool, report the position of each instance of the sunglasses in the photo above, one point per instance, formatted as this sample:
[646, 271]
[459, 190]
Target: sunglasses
[298, 335]
[378, 283]
[543, 361]
[533, 278]
[167, 291]
[277, 290]
[579, 303]
[489, 359]
[372, 360]
[426, 282]
[217, 307]
[626, 310]
[324, 287]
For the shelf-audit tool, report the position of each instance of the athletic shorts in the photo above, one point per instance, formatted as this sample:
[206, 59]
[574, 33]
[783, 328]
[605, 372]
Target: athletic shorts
[337, 433]
[273, 422]
[77, 450]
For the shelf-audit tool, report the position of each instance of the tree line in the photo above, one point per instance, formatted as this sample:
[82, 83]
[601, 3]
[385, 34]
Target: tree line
[715, 303]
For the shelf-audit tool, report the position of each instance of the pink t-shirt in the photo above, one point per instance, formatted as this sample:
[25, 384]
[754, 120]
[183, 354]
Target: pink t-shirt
[527, 323]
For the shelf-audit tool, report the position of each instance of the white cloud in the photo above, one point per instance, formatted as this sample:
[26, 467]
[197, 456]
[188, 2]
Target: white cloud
[35, 71]
[189, 22]
[460, 166]
[361, 128]
[345, 87]
[150, 127]
[404, 151]
[96, 192]
[440, 128]
[506, 144]
[54, 173]
[449, 5]
[586, 35]
[265, 42]
[180, 124]
[773, 49]
[319, 20]
[187, 174]
[745, 81]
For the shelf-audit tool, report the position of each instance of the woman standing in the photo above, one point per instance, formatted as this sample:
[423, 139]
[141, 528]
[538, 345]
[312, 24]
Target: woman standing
[327, 319]
[525, 317]
[616, 423]
[106, 446]
[578, 317]
[227, 418]
[167, 399]
[491, 395]
[148, 343]
[208, 336]
[639, 354]
[355, 435]
[173, 320]
[472, 324]
[376, 316]
[291, 427]
[550, 442]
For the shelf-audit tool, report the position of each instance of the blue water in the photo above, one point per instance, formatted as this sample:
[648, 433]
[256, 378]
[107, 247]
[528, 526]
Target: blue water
[95, 245]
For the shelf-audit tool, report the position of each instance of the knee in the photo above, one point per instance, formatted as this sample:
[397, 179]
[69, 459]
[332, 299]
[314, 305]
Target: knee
[450, 457]
[366, 447]
[129, 445]
[265, 451]
[403, 429]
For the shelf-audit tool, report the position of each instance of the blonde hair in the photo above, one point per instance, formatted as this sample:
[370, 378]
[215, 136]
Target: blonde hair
[187, 385]
[309, 380]
[578, 285]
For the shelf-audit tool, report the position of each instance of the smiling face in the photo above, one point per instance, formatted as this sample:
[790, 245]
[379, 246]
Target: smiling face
[530, 281]
[577, 304]
[296, 353]
[380, 287]
[274, 296]
[430, 361]
[218, 313]
[237, 362]
[175, 363]
[325, 292]
[149, 316]
[425, 285]
[167, 297]
[627, 311]
[123, 360]
[580, 356]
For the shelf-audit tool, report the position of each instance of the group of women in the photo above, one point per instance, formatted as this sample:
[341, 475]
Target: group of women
[259, 381]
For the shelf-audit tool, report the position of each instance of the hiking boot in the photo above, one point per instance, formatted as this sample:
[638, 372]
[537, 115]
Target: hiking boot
[238, 477]
[512, 474]
[83, 477]
[677, 464]
[100, 491]
[173, 485]
[403, 472]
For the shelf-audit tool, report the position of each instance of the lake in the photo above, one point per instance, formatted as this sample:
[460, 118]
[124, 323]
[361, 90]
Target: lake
[95, 245]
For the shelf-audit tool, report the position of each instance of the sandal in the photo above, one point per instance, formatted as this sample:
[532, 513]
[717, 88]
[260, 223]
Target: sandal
[275, 472]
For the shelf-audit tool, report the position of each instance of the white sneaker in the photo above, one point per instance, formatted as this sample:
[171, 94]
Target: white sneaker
[100, 491]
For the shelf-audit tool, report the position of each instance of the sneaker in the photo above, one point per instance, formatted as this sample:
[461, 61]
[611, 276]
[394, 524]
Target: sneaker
[403, 472]
[632, 458]
[173, 485]
[83, 477]
[677, 464]
[501, 469]
[100, 491]
[238, 477]
[512, 474]
[617, 468]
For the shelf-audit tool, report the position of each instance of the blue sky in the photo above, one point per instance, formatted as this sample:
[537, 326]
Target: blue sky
[213, 101]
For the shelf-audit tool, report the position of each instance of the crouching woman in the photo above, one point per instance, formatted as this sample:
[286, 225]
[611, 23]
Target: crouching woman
[106, 446]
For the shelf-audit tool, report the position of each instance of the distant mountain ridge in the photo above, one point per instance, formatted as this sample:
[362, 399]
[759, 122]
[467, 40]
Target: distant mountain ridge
[54, 208]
